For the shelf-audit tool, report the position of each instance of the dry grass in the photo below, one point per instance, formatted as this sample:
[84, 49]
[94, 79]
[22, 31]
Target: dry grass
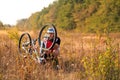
[74, 47]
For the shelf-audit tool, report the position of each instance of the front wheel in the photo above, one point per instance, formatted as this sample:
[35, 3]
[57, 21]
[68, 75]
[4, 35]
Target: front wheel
[43, 31]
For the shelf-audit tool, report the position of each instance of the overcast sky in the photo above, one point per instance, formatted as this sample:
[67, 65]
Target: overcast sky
[13, 10]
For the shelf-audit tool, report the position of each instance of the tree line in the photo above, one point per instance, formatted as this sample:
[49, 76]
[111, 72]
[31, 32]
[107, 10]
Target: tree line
[80, 15]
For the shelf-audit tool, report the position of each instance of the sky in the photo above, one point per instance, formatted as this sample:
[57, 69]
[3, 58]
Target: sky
[13, 10]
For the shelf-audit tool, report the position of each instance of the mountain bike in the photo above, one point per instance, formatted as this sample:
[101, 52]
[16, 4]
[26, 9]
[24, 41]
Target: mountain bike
[27, 45]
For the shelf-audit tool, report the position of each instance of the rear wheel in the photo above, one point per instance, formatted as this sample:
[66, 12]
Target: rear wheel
[25, 43]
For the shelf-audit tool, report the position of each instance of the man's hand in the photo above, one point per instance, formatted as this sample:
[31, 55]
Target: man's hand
[48, 51]
[56, 46]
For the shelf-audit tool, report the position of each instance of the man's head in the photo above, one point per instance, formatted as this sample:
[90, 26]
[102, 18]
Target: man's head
[51, 32]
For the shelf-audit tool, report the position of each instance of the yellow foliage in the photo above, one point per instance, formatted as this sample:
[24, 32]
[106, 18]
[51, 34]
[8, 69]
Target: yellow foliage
[14, 35]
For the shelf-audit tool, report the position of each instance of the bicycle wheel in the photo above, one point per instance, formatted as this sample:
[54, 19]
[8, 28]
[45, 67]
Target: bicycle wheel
[25, 43]
[43, 31]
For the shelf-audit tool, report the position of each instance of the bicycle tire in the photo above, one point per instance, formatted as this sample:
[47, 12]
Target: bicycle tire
[20, 41]
[55, 35]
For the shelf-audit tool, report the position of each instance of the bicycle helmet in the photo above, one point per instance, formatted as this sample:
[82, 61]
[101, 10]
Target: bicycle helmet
[50, 30]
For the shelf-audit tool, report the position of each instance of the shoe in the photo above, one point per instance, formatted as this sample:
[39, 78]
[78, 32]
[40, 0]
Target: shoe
[25, 56]
[42, 59]
[57, 67]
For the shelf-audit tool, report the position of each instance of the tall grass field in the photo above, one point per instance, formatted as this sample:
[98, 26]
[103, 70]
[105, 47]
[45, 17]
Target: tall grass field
[82, 56]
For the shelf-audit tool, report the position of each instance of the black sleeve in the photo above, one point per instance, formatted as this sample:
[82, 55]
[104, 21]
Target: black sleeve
[58, 40]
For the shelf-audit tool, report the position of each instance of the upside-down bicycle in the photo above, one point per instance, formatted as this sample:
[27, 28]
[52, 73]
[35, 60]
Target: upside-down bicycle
[27, 45]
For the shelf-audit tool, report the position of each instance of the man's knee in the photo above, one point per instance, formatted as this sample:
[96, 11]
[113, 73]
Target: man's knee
[56, 53]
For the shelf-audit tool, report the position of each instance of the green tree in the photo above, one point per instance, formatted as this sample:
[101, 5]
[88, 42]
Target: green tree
[64, 15]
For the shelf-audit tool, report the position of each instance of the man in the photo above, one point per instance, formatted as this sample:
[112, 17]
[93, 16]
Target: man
[56, 47]
[55, 51]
